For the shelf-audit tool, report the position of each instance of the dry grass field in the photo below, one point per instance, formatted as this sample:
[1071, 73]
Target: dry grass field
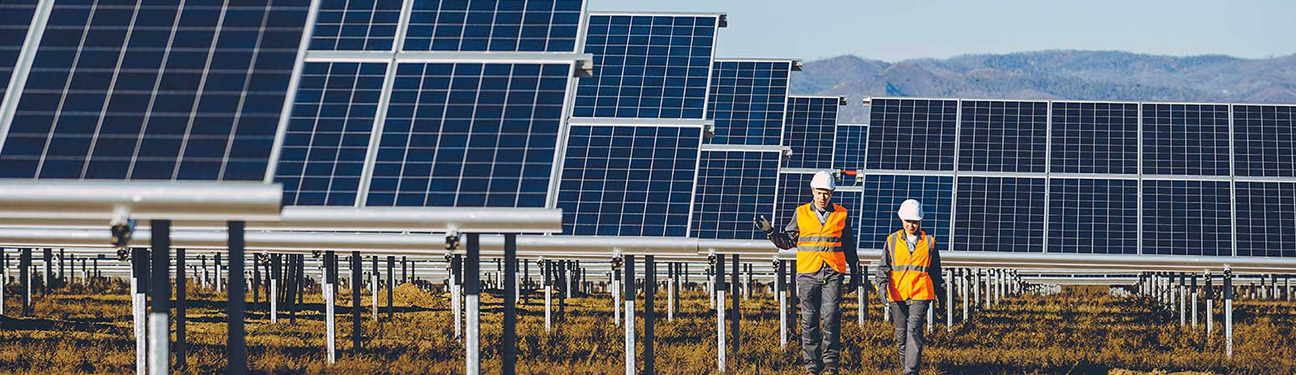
[1083, 331]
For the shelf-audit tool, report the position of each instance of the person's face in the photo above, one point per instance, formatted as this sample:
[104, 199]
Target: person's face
[911, 226]
[822, 197]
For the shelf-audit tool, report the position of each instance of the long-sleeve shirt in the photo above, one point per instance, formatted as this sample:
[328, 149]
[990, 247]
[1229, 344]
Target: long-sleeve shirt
[883, 274]
[786, 239]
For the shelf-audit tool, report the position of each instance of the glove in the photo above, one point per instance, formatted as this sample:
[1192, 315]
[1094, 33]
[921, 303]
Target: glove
[850, 286]
[882, 293]
[764, 225]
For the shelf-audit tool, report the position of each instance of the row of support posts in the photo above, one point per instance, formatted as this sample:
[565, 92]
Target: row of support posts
[1178, 290]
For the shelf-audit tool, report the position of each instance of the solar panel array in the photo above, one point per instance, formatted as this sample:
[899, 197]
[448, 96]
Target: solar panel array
[849, 149]
[810, 131]
[493, 25]
[1088, 177]
[747, 101]
[155, 90]
[15, 19]
[356, 25]
[733, 188]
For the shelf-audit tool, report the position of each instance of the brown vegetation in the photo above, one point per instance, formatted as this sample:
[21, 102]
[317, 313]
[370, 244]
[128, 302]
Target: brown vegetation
[1081, 332]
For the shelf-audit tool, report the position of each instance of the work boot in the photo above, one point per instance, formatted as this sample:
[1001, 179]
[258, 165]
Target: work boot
[829, 371]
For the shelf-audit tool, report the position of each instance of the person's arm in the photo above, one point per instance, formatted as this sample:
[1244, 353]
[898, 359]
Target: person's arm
[786, 239]
[883, 274]
[937, 277]
[852, 257]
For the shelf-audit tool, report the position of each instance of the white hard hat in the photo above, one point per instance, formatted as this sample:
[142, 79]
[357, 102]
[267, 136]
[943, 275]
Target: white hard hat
[823, 180]
[910, 209]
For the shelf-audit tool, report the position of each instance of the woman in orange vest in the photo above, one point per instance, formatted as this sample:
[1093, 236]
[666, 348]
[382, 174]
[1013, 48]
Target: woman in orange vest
[909, 280]
[825, 247]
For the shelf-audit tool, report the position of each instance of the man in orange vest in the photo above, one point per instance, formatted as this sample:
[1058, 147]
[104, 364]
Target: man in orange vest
[825, 247]
[909, 280]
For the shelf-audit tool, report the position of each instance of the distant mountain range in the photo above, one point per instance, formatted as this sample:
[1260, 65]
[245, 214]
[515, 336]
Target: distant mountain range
[1086, 75]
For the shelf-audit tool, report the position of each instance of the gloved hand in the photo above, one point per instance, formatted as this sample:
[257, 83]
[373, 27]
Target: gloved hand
[764, 225]
[851, 285]
[882, 293]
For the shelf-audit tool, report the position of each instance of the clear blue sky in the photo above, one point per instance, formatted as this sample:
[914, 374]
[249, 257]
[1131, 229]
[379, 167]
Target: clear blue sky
[895, 30]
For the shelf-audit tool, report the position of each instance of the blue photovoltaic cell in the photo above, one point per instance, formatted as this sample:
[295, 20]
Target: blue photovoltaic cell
[1186, 218]
[1095, 138]
[647, 66]
[469, 135]
[494, 25]
[1264, 140]
[117, 92]
[747, 102]
[1186, 139]
[1266, 212]
[1093, 216]
[999, 136]
[810, 131]
[912, 134]
[793, 190]
[733, 188]
[882, 195]
[999, 214]
[629, 180]
[356, 25]
[324, 148]
[852, 142]
[15, 19]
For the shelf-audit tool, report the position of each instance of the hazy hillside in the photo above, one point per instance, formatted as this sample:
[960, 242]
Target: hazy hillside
[1090, 75]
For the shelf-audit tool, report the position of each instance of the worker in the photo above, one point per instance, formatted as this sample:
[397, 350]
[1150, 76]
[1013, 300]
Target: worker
[909, 281]
[825, 247]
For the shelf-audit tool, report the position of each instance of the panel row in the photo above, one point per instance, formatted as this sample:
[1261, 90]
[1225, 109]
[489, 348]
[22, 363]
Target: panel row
[1090, 216]
[1082, 137]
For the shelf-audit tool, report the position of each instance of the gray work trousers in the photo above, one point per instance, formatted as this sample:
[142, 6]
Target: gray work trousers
[819, 292]
[910, 317]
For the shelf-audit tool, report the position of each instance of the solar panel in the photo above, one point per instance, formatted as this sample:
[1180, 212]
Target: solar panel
[1186, 139]
[733, 188]
[356, 25]
[909, 134]
[324, 148]
[15, 19]
[849, 198]
[1095, 138]
[1266, 213]
[881, 197]
[629, 180]
[648, 66]
[1003, 136]
[1093, 216]
[470, 135]
[156, 91]
[1002, 214]
[810, 131]
[849, 151]
[793, 190]
[1264, 140]
[1187, 217]
[493, 25]
[747, 101]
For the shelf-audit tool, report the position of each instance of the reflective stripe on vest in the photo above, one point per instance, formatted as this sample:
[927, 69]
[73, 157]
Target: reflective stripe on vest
[820, 243]
[909, 277]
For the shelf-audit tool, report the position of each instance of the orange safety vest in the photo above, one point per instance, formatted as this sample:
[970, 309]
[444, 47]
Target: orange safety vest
[820, 243]
[909, 277]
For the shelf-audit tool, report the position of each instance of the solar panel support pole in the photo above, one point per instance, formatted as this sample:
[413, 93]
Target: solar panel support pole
[330, 320]
[547, 269]
[391, 285]
[376, 286]
[629, 266]
[455, 304]
[24, 267]
[735, 311]
[181, 292]
[138, 288]
[1183, 303]
[718, 284]
[357, 278]
[219, 285]
[1228, 312]
[509, 343]
[780, 286]
[963, 288]
[650, 293]
[1194, 301]
[670, 291]
[235, 308]
[1210, 304]
[159, 320]
[616, 298]
[472, 289]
